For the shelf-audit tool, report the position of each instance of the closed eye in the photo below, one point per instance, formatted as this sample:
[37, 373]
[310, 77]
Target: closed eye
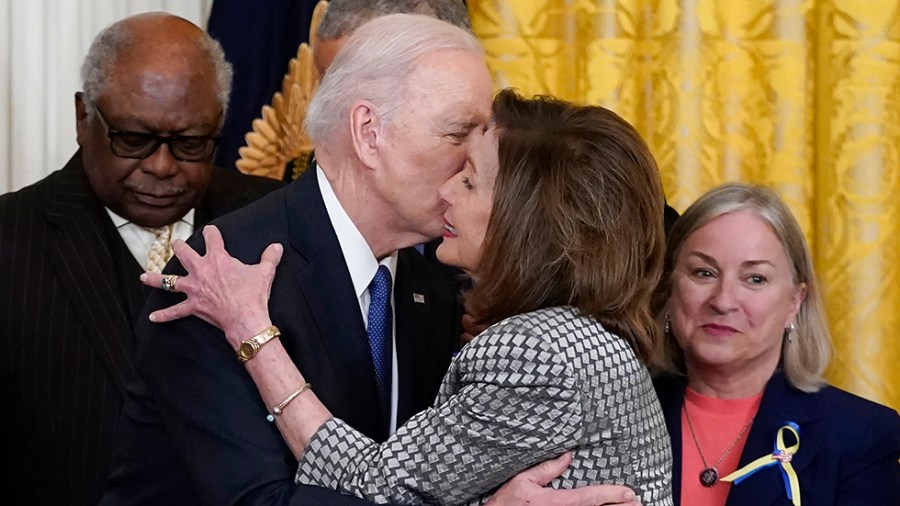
[458, 137]
[467, 183]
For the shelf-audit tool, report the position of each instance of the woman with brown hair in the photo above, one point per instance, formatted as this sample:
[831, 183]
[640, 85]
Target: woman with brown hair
[557, 218]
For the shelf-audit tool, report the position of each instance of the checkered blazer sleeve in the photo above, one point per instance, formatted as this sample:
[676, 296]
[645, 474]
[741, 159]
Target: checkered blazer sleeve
[509, 401]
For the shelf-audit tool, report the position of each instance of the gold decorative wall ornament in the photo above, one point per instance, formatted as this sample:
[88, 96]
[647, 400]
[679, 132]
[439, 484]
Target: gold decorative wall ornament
[278, 138]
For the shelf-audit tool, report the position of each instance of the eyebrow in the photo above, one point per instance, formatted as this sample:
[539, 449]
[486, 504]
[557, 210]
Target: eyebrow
[744, 264]
[466, 125]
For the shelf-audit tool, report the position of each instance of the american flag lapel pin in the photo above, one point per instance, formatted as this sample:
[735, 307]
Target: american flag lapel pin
[418, 298]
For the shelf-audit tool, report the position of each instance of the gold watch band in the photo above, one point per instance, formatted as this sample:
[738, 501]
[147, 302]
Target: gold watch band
[251, 346]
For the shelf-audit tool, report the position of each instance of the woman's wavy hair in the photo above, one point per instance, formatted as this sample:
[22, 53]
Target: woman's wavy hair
[577, 219]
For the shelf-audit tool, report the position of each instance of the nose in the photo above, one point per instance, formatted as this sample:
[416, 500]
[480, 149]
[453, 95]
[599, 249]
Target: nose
[160, 163]
[446, 190]
[723, 299]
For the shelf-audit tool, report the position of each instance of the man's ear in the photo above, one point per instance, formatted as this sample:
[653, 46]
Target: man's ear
[366, 133]
[81, 118]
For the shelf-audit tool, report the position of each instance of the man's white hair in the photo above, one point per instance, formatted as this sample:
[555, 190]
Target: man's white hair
[375, 65]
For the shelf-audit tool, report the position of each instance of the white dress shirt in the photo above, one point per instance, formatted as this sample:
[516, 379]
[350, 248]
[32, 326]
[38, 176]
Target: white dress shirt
[138, 238]
[363, 265]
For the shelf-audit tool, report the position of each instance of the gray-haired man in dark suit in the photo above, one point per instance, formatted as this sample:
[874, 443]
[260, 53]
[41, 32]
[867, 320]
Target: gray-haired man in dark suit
[73, 245]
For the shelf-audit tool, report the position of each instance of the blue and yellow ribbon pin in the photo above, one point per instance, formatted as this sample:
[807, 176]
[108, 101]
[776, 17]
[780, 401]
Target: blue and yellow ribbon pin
[781, 455]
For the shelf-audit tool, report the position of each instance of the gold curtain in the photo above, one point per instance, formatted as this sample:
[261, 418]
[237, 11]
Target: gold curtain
[803, 96]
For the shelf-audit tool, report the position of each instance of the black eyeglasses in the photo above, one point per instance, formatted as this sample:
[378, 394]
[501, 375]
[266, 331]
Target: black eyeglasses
[140, 145]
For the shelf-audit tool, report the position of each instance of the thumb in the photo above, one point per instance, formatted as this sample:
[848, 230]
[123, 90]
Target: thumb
[545, 472]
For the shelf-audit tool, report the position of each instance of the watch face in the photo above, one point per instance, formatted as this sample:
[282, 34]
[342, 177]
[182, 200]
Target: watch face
[246, 351]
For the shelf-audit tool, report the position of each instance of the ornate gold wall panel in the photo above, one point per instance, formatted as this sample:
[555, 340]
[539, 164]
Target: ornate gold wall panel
[803, 96]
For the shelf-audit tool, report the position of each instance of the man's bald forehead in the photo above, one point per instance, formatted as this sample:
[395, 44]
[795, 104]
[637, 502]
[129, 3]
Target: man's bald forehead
[156, 42]
[161, 29]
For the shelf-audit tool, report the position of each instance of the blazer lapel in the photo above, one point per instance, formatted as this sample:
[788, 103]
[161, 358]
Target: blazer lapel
[670, 391]
[336, 352]
[411, 304]
[780, 404]
[426, 302]
[80, 254]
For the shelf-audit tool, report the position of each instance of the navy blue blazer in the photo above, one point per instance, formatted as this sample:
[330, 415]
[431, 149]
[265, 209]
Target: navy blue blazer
[849, 447]
[195, 430]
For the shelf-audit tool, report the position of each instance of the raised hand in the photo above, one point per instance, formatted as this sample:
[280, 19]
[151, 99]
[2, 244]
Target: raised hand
[220, 289]
[529, 487]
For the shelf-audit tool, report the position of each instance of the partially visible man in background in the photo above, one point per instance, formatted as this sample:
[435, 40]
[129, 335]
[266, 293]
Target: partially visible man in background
[343, 17]
[279, 147]
[73, 245]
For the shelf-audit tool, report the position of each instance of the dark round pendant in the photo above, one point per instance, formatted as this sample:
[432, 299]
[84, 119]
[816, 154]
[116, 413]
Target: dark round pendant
[709, 477]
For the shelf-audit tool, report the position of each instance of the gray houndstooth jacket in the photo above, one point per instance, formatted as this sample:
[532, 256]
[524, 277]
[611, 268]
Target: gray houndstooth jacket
[524, 391]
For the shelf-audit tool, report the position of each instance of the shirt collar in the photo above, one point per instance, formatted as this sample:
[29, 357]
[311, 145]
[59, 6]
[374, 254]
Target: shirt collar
[120, 222]
[361, 262]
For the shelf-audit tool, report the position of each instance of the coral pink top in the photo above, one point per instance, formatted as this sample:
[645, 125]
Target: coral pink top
[716, 422]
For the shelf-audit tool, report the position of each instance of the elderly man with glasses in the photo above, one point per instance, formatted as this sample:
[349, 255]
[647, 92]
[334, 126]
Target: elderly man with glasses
[73, 245]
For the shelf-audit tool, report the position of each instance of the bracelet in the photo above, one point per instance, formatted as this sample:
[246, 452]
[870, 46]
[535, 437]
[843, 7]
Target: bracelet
[277, 410]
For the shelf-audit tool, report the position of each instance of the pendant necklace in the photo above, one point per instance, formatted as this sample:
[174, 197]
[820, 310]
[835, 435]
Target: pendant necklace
[710, 475]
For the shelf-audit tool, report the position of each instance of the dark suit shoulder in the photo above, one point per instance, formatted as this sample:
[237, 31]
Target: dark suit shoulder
[62, 197]
[670, 216]
[839, 397]
[15, 206]
[856, 445]
[250, 227]
[236, 181]
[229, 190]
[847, 410]
[13, 198]
[668, 386]
[33, 193]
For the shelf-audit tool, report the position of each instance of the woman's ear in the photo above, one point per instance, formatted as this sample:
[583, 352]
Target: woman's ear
[797, 299]
[366, 132]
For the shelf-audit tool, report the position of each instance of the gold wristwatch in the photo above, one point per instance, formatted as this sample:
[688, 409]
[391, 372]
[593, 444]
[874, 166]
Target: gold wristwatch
[250, 347]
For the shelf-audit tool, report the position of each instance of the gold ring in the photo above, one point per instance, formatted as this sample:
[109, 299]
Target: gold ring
[168, 283]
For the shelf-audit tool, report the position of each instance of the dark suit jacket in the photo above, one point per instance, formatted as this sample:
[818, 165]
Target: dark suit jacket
[198, 426]
[848, 447]
[670, 215]
[69, 295]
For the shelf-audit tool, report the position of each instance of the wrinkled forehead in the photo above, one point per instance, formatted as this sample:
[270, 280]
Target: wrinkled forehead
[457, 83]
[180, 79]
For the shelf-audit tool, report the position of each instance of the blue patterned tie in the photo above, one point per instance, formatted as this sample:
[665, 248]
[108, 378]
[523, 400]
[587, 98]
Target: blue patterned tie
[380, 331]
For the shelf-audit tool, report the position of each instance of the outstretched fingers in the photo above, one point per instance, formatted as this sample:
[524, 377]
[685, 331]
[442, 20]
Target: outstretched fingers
[185, 254]
[272, 255]
[171, 313]
[529, 487]
[544, 472]
[212, 236]
[592, 496]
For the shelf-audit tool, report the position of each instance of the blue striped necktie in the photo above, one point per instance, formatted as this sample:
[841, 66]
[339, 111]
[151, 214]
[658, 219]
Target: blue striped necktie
[380, 332]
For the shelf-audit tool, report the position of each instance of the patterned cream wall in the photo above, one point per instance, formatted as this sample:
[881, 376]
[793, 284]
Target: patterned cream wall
[803, 96]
